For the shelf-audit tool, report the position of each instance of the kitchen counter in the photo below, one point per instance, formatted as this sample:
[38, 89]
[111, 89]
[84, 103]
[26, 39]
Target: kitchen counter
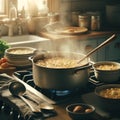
[89, 34]
[85, 95]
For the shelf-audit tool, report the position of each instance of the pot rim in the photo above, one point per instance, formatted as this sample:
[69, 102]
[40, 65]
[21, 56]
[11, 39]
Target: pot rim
[86, 65]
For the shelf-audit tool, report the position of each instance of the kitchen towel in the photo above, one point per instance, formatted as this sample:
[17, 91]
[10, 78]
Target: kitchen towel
[18, 104]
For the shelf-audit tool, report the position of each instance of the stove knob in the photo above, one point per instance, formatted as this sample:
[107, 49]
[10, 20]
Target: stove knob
[16, 115]
[3, 107]
[1, 104]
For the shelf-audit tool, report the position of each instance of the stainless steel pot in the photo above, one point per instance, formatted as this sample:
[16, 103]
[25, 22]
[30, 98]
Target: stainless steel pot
[60, 78]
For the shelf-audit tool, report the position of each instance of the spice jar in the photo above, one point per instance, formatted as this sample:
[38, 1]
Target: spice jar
[95, 22]
[84, 21]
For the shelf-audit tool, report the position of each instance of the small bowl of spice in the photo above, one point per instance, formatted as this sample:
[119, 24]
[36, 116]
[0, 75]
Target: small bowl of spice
[80, 111]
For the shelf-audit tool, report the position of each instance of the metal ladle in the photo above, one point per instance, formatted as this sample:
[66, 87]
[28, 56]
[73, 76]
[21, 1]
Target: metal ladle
[98, 47]
[18, 89]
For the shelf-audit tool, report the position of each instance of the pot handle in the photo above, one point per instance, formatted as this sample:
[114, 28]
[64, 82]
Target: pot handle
[83, 67]
[30, 58]
[37, 52]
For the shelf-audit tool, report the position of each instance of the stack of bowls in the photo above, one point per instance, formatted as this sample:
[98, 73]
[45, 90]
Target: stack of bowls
[18, 56]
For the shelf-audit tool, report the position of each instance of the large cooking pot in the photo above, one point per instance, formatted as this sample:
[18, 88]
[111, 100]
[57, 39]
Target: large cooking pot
[60, 78]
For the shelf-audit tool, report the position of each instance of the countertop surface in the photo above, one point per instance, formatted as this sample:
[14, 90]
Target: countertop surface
[78, 36]
[84, 95]
[87, 97]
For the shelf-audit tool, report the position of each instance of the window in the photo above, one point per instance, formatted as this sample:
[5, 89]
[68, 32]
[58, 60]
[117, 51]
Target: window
[38, 6]
[3, 8]
[31, 7]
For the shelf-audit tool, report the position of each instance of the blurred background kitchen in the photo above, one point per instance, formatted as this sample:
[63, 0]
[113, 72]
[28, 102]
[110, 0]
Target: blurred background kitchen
[28, 17]
[42, 18]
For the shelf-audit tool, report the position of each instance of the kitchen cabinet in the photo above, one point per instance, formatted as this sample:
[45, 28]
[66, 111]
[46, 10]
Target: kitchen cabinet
[87, 45]
[101, 52]
[113, 50]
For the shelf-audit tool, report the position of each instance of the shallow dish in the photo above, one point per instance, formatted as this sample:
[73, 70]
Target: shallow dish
[107, 71]
[71, 30]
[80, 111]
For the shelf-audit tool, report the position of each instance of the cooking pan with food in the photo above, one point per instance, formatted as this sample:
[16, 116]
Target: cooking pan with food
[108, 96]
[60, 70]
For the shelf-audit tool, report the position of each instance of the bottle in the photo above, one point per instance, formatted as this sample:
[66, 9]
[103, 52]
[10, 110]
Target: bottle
[12, 12]
[95, 22]
[84, 21]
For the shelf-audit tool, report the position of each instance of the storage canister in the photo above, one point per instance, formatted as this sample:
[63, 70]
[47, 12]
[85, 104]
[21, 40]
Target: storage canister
[95, 22]
[84, 21]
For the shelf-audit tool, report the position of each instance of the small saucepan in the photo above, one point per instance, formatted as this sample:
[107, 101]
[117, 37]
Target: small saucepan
[60, 78]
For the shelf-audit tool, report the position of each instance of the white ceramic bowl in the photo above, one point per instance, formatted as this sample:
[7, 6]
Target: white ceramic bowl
[107, 71]
[18, 56]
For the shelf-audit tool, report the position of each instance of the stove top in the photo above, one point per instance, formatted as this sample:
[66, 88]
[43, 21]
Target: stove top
[53, 96]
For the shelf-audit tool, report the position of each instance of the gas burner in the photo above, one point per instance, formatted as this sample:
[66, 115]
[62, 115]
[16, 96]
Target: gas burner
[56, 96]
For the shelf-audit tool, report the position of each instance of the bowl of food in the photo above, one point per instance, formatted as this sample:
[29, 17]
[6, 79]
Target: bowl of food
[80, 111]
[18, 56]
[108, 96]
[107, 71]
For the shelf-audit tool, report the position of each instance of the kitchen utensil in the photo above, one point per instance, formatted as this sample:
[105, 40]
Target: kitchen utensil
[99, 46]
[112, 15]
[18, 89]
[60, 78]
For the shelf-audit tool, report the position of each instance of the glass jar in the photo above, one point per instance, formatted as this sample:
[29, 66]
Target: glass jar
[95, 22]
[84, 21]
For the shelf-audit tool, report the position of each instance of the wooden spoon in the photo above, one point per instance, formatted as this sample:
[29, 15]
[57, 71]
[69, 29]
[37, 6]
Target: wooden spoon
[98, 47]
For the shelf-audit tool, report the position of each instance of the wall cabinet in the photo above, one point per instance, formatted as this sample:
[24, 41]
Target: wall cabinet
[111, 51]
[87, 45]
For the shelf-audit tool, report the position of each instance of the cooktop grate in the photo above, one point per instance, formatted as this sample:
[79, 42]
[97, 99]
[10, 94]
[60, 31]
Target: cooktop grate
[56, 96]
